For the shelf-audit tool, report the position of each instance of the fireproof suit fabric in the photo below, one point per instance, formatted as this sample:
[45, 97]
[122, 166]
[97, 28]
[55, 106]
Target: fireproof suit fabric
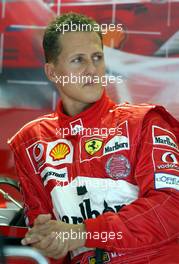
[113, 167]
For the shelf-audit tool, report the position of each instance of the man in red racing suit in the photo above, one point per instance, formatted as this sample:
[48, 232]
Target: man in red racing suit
[110, 169]
[121, 181]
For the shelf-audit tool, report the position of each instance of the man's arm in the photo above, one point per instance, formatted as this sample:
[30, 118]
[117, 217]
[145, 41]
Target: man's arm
[152, 219]
[35, 199]
[149, 221]
[55, 238]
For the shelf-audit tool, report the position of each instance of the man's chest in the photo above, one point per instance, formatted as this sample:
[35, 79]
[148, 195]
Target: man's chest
[87, 174]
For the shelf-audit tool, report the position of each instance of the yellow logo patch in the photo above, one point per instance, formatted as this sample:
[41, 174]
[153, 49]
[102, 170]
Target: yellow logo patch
[60, 151]
[93, 145]
[106, 258]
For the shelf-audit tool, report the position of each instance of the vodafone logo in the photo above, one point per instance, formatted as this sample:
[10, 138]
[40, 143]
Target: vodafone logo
[37, 154]
[163, 159]
[38, 151]
[54, 153]
[169, 157]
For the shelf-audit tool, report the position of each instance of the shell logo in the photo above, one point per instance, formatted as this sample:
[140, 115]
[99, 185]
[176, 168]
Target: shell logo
[60, 151]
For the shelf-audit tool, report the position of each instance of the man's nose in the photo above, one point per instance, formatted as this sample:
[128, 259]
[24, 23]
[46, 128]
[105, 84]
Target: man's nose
[90, 68]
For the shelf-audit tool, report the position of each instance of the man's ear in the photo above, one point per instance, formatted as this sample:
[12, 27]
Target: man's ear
[50, 72]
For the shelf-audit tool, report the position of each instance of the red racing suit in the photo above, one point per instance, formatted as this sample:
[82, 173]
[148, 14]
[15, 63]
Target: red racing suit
[113, 167]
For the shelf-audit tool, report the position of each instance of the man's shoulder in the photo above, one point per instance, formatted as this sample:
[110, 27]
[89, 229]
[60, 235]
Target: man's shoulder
[145, 113]
[136, 111]
[34, 127]
[140, 110]
[129, 106]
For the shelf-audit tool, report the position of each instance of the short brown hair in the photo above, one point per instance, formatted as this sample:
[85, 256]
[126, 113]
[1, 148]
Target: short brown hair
[51, 44]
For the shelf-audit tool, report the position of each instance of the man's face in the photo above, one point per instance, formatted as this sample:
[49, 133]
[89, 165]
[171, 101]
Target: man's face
[81, 57]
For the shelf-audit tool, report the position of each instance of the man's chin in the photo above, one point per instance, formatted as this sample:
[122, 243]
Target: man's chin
[93, 95]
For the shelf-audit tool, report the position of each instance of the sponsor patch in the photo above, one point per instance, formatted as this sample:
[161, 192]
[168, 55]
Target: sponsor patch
[54, 153]
[110, 145]
[65, 155]
[50, 173]
[37, 154]
[38, 151]
[165, 159]
[60, 151]
[115, 144]
[165, 180]
[76, 126]
[118, 166]
[93, 145]
[164, 137]
[169, 157]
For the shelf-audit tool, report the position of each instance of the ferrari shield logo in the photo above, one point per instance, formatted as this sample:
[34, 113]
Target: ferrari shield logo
[93, 145]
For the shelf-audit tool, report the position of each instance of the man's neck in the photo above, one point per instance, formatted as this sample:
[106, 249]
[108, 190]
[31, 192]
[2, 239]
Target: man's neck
[73, 108]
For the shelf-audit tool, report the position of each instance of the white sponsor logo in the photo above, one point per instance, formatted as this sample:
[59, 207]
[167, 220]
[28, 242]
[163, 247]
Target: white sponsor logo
[168, 166]
[76, 129]
[59, 152]
[164, 180]
[37, 154]
[162, 136]
[89, 197]
[76, 126]
[165, 140]
[169, 155]
[164, 159]
[115, 144]
[38, 151]
[50, 173]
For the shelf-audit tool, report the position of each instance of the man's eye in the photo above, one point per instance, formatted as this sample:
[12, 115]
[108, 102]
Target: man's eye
[97, 57]
[77, 60]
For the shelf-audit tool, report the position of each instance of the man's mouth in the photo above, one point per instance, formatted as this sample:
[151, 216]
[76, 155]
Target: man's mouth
[90, 82]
